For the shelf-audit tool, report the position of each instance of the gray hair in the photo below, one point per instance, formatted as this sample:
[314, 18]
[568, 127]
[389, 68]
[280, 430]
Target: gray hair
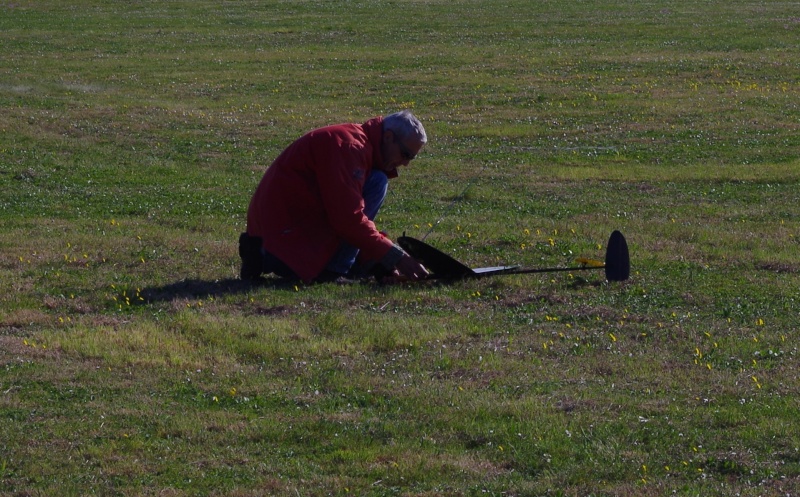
[403, 124]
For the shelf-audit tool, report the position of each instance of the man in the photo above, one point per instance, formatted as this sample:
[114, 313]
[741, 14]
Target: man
[312, 213]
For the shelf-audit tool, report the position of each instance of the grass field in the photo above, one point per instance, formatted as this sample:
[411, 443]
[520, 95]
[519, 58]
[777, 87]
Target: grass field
[132, 135]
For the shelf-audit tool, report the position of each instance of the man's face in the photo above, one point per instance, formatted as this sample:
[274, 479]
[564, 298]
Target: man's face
[397, 152]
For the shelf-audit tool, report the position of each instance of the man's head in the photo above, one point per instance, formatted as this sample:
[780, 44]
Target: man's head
[403, 138]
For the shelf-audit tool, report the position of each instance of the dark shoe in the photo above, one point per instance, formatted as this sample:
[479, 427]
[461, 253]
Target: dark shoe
[250, 253]
[249, 272]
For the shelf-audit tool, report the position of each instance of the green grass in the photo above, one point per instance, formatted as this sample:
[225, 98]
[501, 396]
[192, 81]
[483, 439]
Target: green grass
[132, 362]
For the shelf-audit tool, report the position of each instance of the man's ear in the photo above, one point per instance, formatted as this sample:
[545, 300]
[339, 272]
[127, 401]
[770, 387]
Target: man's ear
[388, 136]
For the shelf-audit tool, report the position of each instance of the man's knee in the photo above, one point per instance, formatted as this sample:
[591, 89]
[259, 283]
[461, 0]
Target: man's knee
[374, 192]
[377, 181]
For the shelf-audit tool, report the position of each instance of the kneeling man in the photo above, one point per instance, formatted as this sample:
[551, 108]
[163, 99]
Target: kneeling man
[312, 213]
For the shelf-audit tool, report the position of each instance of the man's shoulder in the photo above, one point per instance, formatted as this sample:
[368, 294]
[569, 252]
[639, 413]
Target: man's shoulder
[361, 131]
[344, 129]
[340, 136]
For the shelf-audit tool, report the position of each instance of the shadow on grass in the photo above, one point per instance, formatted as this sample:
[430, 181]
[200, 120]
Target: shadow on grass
[203, 288]
[195, 288]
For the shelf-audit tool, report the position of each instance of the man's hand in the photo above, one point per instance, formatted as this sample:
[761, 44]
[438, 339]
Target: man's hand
[410, 269]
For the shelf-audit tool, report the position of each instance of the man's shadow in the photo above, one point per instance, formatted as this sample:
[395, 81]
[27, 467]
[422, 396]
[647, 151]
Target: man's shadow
[194, 288]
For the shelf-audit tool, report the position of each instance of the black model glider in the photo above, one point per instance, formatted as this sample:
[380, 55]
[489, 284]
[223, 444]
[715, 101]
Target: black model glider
[617, 263]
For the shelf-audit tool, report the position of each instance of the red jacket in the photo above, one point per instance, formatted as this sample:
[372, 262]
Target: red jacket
[309, 200]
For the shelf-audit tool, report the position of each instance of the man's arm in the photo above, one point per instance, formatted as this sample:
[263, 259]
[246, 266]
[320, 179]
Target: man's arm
[340, 179]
